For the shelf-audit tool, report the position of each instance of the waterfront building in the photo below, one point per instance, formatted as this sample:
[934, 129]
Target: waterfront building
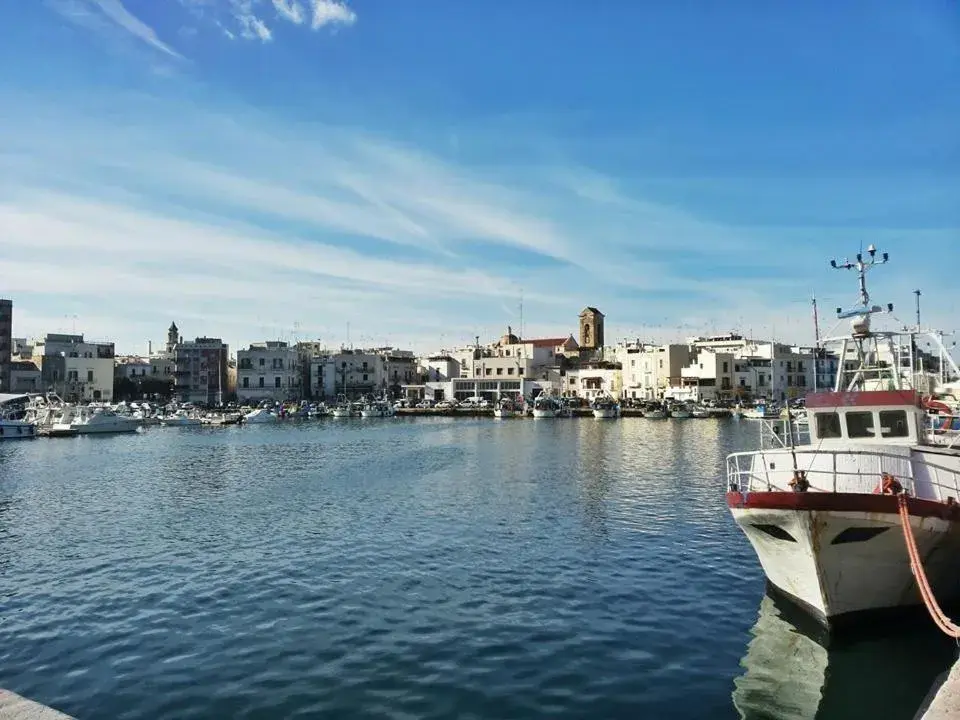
[76, 369]
[438, 368]
[24, 377]
[201, 370]
[269, 370]
[132, 367]
[6, 343]
[708, 376]
[592, 380]
[648, 370]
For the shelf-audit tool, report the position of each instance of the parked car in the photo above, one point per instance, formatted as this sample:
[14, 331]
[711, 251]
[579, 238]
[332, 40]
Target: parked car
[425, 404]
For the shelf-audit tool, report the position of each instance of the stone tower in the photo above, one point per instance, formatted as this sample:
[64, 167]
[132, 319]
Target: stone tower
[591, 329]
[173, 337]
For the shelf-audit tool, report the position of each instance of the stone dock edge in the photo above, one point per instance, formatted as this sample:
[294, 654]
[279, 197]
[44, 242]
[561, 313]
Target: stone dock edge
[943, 700]
[14, 707]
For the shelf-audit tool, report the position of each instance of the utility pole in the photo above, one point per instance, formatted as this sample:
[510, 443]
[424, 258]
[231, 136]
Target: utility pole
[917, 293]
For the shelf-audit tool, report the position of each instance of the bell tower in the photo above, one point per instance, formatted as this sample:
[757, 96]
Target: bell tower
[591, 328]
[173, 337]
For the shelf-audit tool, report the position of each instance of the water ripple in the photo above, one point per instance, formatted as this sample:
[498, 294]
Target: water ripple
[408, 569]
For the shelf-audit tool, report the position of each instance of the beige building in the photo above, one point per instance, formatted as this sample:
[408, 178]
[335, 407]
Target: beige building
[269, 371]
[75, 369]
[648, 371]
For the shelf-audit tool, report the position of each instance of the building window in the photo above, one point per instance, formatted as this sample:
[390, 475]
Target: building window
[262, 362]
[276, 382]
[246, 382]
[487, 371]
[364, 377]
[519, 371]
[509, 371]
[725, 365]
[261, 382]
[499, 371]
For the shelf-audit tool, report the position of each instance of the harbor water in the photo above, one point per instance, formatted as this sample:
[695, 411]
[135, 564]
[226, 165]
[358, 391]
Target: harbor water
[413, 568]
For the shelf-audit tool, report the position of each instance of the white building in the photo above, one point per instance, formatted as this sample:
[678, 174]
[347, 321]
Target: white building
[648, 371]
[75, 369]
[439, 368]
[132, 367]
[764, 369]
[592, 381]
[269, 371]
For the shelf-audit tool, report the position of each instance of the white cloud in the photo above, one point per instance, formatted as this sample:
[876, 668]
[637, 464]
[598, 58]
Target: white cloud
[253, 27]
[331, 12]
[290, 9]
[78, 12]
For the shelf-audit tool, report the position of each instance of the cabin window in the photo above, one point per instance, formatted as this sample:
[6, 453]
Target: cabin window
[860, 424]
[828, 425]
[893, 423]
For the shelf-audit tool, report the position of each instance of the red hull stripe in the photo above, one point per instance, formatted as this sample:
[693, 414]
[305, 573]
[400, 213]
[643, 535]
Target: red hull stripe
[861, 398]
[840, 502]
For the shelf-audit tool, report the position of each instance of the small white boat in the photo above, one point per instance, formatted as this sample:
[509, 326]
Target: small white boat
[260, 416]
[506, 408]
[761, 411]
[655, 413]
[680, 412]
[181, 419]
[378, 409]
[545, 406]
[343, 410]
[700, 412]
[13, 425]
[605, 408]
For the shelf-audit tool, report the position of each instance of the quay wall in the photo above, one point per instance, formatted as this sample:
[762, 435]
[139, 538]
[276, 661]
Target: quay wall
[14, 707]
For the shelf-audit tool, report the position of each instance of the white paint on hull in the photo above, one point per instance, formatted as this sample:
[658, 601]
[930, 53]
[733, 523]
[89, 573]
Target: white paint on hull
[854, 576]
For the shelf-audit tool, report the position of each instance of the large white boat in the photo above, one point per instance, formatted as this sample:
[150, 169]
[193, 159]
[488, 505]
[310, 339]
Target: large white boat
[830, 520]
[546, 406]
[92, 421]
[507, 408]
[605, 407]
[13, 425]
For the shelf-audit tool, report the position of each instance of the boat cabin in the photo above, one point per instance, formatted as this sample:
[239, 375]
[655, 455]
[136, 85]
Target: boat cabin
[893, 417]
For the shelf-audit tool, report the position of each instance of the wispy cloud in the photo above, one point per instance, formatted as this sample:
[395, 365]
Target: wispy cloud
[326, 225]
[332, 13]
[79, 11]
[290, 10]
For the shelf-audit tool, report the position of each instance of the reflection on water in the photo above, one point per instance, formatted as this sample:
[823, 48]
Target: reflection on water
[794, 671]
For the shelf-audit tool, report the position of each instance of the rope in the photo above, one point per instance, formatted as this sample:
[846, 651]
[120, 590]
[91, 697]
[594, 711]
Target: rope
[939, 617]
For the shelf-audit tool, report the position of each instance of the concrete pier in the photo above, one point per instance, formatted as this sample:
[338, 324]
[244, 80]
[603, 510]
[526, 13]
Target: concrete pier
[943, 700]
[14, 707]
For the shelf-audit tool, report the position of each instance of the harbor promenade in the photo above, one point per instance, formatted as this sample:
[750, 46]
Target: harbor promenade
[14, 707]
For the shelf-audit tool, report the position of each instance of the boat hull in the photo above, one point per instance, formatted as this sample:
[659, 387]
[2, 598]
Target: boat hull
[17, 430]
[502, 413]
[538, 413]
[605, 413]
[106, 429]
[840, 554]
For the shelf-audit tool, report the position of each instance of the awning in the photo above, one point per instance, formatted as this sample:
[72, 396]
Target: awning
[9, 398]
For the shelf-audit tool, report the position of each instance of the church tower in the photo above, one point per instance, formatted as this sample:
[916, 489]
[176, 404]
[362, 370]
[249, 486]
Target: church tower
[173, 337]
[591, 329]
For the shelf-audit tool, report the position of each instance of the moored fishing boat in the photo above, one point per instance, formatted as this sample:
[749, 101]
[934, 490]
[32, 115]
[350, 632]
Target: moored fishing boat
[546, 406]
[507, 408]
[605, 407]
[829, 520]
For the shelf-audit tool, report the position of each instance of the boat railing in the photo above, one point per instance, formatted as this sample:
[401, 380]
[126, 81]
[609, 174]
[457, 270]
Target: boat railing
[839, 471]
[782, 433]
[945, 433]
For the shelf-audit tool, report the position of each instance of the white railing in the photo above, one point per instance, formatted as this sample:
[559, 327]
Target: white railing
[943, 436]
[830, 471]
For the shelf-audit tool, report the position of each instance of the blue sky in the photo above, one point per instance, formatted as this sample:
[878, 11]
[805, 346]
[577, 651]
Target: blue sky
[271, 168]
